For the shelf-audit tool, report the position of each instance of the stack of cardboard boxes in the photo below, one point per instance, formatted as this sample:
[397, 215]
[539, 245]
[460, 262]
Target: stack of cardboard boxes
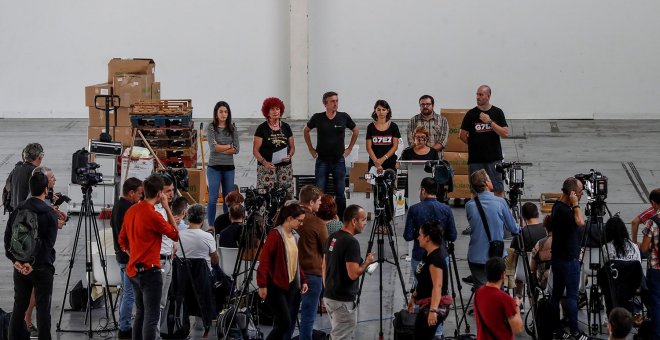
[130, 79]
[456, 153]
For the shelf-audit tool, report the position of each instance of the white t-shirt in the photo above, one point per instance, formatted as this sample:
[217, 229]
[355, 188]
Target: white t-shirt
[631, 252]
[166, 245]
[197, 243]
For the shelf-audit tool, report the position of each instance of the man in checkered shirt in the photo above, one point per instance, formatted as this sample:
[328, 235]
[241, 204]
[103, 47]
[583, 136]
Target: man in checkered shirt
[651, 243]
[434, 123]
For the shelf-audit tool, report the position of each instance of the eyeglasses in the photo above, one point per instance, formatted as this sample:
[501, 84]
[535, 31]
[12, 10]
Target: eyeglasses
[420, 138]
[425, 104]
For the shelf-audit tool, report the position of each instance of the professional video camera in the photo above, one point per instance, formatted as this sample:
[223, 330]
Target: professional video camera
[514, 175]
[443, 175]
[595, 185]
[88, 175]
[385, 183]
[178, 176]
[267, 201]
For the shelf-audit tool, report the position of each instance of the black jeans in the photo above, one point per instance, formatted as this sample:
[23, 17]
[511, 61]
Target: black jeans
[147, 287]
[41, 278]
[422, 328]
[284, 304]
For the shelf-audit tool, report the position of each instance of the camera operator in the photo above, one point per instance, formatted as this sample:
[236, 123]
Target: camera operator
[141, 236]
[132, 191]
[19, 177]
[37, 274]
[428, 209]
[498, 216]
[567, 222]
[231, 235]
[532, 231]
[650, 243]
[342, 267]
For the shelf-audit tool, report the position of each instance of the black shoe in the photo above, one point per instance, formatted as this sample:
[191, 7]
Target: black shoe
[561, 335]
[471, 280]
[128, 334]
[467, 231]
[580, 336]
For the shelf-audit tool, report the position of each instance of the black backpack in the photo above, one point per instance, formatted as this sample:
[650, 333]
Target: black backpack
[404, 325]
[24, 243]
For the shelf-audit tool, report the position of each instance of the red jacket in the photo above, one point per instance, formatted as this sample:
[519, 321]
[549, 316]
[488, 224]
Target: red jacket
[272, 262]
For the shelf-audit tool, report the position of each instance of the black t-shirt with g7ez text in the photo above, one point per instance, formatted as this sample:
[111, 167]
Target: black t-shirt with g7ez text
[483, 142]
[381, 143]
[341, 247]
[330, 134]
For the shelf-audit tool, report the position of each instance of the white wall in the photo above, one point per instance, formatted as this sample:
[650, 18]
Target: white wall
[205, 50]
[544, 59]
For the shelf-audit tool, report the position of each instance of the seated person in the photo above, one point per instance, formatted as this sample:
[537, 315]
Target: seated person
[230, 236]
[619, 246]
[532, 231]
[179, 210]
[420, 151]
[223, 220]
[328, 213]
[541, 256]
[197, 243]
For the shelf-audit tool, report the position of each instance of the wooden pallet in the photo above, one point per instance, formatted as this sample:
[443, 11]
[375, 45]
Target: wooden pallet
[162, 120]
[162, 107]
[167, 142]
[548, 200]
[179, 162]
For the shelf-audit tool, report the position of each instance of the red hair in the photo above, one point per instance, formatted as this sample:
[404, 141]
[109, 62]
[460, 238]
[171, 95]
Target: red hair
[271, 102]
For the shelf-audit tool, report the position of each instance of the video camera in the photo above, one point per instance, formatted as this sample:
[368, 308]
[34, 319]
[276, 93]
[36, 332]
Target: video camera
[595, 185]
[385, 183]
[87, 175]
[178, 176]
[268, 200]
[514, 172]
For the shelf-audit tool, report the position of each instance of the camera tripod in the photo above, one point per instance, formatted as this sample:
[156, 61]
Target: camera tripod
[455, 279]
[91, 229]
[383, 227]
[595, 210]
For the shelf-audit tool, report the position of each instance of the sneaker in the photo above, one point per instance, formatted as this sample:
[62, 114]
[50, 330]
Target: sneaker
[34, 332]
[127, 334]
[580, 336]
[561, 335]
[469, 280]
[467, 231]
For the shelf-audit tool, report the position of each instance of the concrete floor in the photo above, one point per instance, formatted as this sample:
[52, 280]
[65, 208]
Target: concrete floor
[624, 151]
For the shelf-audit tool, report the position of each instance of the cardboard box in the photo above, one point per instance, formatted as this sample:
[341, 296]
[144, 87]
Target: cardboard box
[132, 88]
[461, 187]
[97, 117]
[93, 132]
[131, 66]
[155, 91]
[123, 116]
[124, 135]
[96, 90]
[458, 162]
[140, 168]
[197, 185]
[356, 177]
[454, 120]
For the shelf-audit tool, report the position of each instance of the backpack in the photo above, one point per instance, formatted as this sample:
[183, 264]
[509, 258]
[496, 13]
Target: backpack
[24, 242]
[404, 325]
[540, 323]
[239, 328]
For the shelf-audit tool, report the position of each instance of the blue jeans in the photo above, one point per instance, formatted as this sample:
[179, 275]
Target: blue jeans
[653, 283]
[147, 287]
[565, 275]
[127, 300]
[215, 177]
[338, 170]
[308, 307]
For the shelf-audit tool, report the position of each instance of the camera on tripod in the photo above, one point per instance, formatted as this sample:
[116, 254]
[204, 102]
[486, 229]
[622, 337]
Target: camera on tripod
[514, 172]
[595, 185]
[178, 176]
[88, 175]
[384, 182]
[262, 199]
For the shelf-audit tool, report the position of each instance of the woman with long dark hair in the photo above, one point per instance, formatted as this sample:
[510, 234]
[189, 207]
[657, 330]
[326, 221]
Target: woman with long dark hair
[223, 143]
[279, 276]
[274, 137]
[431, 274]
[619, 246]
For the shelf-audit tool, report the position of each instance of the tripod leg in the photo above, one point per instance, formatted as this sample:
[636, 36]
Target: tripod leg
[104, 266]
[370, 245]
[72, 260]
[397, 265]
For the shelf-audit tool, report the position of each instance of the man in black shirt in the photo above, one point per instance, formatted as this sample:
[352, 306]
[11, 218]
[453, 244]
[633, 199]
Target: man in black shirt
[231, 235]
[33, 154]
[131, 191]
[39, 273]
[342, 267]
[481, 130]
[567, 220]
[329, 151]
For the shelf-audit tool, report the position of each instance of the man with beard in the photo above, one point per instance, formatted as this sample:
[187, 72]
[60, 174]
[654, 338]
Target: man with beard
[435, 124]
[342, 267]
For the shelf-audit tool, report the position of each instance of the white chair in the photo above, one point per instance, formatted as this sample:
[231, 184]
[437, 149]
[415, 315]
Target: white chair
[112, 268]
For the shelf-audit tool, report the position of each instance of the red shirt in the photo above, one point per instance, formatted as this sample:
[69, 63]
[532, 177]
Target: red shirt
[646, 215]
[495, 307]
[141, 236]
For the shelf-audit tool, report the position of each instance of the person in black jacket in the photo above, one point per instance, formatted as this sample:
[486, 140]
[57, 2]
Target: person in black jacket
[131, 191]
[33, 154]
[39, 273]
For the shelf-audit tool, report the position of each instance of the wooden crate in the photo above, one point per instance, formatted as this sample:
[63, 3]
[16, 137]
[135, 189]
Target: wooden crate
[162, 107]
[548, 200]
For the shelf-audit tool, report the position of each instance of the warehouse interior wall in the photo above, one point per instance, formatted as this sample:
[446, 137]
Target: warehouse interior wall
[559, 59]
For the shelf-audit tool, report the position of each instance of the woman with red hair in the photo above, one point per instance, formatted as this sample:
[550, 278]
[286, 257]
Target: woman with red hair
[273, 148]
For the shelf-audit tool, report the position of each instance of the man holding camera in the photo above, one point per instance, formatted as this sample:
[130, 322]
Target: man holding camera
[428, 209]
[141, 236]
[498, 216]
[567, 221]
